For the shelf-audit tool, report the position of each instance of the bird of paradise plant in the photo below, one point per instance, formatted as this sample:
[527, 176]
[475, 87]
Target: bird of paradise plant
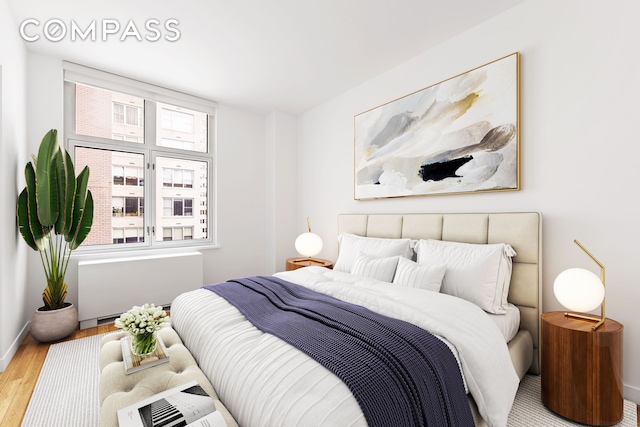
[54, 213]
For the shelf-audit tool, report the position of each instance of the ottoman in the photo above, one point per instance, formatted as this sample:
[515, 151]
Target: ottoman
[118, 390]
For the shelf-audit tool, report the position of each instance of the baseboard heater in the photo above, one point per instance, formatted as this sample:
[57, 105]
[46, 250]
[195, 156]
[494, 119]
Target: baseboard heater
[108, 288]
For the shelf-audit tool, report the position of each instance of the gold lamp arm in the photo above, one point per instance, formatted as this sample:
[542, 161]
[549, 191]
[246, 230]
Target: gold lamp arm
[602, 307]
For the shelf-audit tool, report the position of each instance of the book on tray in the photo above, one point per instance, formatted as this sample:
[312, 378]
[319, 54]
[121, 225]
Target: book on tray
[134, 363]
[187, 405]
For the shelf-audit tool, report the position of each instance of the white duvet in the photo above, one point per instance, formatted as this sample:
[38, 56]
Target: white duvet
[264, 381]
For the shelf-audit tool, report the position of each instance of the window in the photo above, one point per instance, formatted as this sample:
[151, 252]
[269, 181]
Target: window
[177, 207]
[126, 114]
[128, 176]
[177, 120]
[181, 128]
[118, 175]
[183, 145]
[117, 206]
[92, 119]
[138, 150]
[177, 178]
[133, 116]
[127, 235]
[187, 179]
[127, 206]
[118, 113]
[177, 233]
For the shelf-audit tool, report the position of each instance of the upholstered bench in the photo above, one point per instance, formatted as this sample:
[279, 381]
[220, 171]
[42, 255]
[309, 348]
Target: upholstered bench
[118, 390]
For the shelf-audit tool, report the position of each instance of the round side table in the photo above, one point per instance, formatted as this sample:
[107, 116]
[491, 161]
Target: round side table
[295, 263]
[582, 369]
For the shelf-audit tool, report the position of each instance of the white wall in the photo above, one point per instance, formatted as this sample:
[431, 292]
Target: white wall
[44, 112]
[13, 291]
[579, 92]
[241, 198]
[281, 173]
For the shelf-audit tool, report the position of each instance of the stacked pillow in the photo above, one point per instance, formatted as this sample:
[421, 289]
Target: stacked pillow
[352, 245]
[387, 260]
[479, 273]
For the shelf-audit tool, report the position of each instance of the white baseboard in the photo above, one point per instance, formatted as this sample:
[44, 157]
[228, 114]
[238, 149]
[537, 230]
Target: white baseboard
[632, 394]
[6, 358]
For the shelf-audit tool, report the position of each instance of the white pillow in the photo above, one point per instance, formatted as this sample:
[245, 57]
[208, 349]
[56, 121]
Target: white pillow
[478, 273]
[351, 245]
[376, 268]
[413, 275]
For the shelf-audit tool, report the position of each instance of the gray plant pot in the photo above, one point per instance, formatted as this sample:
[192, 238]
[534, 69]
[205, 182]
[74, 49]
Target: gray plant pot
[54, 325]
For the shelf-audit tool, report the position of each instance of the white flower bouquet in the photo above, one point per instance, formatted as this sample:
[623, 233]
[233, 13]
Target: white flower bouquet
[142, 323]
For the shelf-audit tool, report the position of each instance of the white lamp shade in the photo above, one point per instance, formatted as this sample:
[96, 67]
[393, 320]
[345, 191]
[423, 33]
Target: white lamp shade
[308, 244]
[578, 289]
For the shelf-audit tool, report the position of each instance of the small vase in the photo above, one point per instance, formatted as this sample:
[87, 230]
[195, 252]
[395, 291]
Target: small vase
[143, 344]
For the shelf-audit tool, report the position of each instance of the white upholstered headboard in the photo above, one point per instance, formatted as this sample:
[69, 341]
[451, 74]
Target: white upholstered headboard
[522, 230]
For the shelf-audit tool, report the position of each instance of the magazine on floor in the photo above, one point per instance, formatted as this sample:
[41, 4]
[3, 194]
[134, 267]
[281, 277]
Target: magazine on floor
[187, 405]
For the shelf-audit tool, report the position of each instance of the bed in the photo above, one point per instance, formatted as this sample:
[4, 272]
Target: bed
[263, 380]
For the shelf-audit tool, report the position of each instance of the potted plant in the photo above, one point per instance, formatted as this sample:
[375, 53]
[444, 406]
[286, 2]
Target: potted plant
[54, 213]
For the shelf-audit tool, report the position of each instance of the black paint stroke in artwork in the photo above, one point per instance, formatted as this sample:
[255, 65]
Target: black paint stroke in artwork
[445, 164]
[442, 170]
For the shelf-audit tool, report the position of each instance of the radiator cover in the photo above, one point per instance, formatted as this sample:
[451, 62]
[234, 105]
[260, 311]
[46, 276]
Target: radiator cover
[108, 288]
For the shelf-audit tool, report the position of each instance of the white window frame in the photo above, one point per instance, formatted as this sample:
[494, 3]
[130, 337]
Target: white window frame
[150, 149]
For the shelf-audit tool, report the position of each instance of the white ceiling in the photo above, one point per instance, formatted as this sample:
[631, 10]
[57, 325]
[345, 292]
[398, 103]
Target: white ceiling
[260, 55]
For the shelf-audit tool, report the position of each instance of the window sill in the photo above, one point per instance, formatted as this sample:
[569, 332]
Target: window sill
[92, 254]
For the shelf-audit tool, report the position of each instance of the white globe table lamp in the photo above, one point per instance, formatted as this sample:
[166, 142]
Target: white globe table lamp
[581, 290]
[578, 289]
[308, 244]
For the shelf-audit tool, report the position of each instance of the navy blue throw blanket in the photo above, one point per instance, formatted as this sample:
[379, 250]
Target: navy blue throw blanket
[400, 374]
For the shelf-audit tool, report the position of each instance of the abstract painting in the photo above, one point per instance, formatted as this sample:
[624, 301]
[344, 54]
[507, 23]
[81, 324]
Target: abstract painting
[457, 136]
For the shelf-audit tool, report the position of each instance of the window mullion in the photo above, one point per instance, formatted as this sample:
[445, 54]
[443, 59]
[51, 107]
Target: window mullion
[151, 189]
[150, 124]
[149, 205]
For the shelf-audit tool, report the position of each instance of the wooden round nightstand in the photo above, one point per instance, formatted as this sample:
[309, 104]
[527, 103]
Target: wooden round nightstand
[295, 263]
[582, 369]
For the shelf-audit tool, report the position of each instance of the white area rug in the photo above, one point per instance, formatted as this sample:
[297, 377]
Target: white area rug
[66, 393]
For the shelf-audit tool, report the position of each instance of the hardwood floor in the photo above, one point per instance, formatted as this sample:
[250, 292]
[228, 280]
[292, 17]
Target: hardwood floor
[19, 379]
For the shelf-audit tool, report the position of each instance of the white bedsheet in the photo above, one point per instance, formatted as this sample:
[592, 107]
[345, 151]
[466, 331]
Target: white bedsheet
[264, 381]
[508, 323]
